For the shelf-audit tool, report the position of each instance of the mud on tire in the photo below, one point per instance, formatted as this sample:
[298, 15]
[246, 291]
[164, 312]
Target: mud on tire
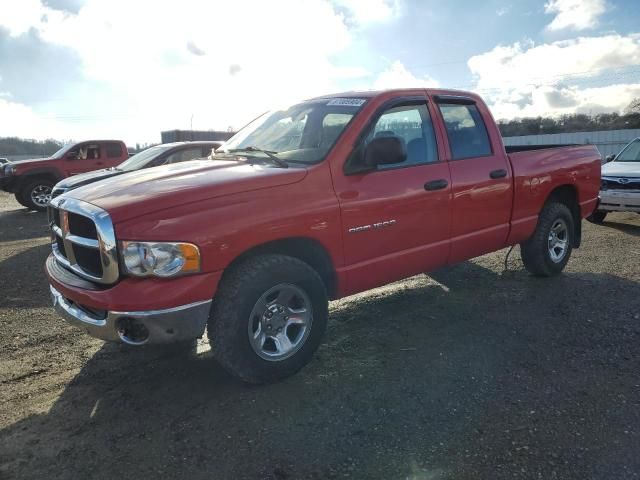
[537, 254]
[241, 293]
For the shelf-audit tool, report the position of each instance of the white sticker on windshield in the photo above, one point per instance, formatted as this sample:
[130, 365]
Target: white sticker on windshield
[347, 102]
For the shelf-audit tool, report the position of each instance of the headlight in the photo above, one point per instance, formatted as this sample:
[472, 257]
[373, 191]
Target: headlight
[160, 259]
[9, 170]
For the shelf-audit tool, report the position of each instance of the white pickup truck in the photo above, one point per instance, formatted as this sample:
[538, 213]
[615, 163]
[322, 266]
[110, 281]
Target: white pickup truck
[620, 188]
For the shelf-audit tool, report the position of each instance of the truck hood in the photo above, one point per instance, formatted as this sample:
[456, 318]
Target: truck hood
[28, 161]
[138, 193]
[621, 169]
[86, 178]
[28, 164]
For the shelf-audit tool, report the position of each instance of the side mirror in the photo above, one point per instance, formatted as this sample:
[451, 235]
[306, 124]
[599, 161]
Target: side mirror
[379, 151]
[609, 158]
[72, 156]
[385, 151]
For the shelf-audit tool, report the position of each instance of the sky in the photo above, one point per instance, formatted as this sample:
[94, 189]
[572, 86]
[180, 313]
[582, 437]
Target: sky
[78, 69]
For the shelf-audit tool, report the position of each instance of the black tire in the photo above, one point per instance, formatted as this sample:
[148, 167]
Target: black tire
[232, 308]
[597, 217]
[20, 200]
[29, 187]
[535, 252]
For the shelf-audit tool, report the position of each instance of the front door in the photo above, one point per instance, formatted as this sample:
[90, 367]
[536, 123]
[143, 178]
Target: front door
[86, 157]
[396, 219]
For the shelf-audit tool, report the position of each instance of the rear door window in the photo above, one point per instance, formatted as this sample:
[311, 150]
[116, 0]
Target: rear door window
[466, 131]
[113, 149]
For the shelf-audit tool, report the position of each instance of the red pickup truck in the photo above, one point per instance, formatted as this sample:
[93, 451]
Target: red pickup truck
[324, 199]
[32, 180]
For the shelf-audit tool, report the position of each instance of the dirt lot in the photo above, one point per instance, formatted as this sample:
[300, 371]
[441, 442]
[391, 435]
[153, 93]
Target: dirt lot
[471, 373]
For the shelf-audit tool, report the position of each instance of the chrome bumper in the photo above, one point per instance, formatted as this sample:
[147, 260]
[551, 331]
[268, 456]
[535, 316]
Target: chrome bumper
[185, 322]
[619, 201]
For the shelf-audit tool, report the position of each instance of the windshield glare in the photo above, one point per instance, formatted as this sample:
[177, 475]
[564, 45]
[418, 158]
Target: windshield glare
[139, 160]
[302, 133]
[631, 152]
[62, 151]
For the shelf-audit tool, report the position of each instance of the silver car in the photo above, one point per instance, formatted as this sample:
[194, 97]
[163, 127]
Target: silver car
[620, 189]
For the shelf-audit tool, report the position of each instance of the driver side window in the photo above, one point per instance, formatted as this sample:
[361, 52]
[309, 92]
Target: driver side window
[412, 124]
[85, 152]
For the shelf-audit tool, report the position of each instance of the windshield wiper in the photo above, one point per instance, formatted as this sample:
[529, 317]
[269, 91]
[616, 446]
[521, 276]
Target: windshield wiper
[271, 154]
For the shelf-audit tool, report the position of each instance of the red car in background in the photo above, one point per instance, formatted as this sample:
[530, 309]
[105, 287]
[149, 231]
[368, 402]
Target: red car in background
[32, 180]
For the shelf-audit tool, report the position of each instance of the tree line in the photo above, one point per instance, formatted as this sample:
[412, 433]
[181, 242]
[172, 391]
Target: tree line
[577, 122]
[21, 146]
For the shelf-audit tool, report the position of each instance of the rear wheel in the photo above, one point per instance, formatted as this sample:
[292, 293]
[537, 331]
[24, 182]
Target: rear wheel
[268, 318]
[597, 217]
[36, 194]
[548, 250]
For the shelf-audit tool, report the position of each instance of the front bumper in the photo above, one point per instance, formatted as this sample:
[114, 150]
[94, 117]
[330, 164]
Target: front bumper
[185, 322]
[619, 201]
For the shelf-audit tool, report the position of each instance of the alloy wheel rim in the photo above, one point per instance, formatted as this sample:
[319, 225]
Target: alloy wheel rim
[280, 322]
[558, 241]
[41, 195]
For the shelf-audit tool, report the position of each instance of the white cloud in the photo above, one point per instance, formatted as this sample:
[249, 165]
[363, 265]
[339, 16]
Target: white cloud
[149, 65]
[397, 76]
[525, 79]
[574, 14]
[370, 11]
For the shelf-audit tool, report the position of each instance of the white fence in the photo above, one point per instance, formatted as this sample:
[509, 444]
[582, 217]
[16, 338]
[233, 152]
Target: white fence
[607, 141]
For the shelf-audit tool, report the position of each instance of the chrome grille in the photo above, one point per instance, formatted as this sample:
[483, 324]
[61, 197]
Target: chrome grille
[620, 183]
[83, 239]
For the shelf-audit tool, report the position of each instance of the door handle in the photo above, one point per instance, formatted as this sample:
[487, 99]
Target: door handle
[498, 173]
[436, 185]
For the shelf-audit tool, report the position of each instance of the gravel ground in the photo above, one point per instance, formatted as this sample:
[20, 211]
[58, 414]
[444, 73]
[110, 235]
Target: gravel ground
[473, 372]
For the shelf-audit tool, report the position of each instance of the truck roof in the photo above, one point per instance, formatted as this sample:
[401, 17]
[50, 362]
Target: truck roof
[400, 91]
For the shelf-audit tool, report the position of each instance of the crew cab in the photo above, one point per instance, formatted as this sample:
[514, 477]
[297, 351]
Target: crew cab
[32, 180]
[151, 157]
[620, 189]
[326, 198]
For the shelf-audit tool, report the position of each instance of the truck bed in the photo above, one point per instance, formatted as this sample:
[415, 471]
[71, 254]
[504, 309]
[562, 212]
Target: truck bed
[539, 169]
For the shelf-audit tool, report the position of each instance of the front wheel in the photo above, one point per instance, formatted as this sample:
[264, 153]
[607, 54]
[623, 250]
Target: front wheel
[548, 250]
[268, 318]
[36, 194]
[21, 200]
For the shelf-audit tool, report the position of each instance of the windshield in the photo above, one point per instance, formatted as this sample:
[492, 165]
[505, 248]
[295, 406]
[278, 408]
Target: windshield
[63, 150]
[631, 152]
[139, 160]
[302, 133]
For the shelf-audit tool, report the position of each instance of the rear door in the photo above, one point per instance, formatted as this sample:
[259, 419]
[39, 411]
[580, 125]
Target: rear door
[394, 226]
[480, 176]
